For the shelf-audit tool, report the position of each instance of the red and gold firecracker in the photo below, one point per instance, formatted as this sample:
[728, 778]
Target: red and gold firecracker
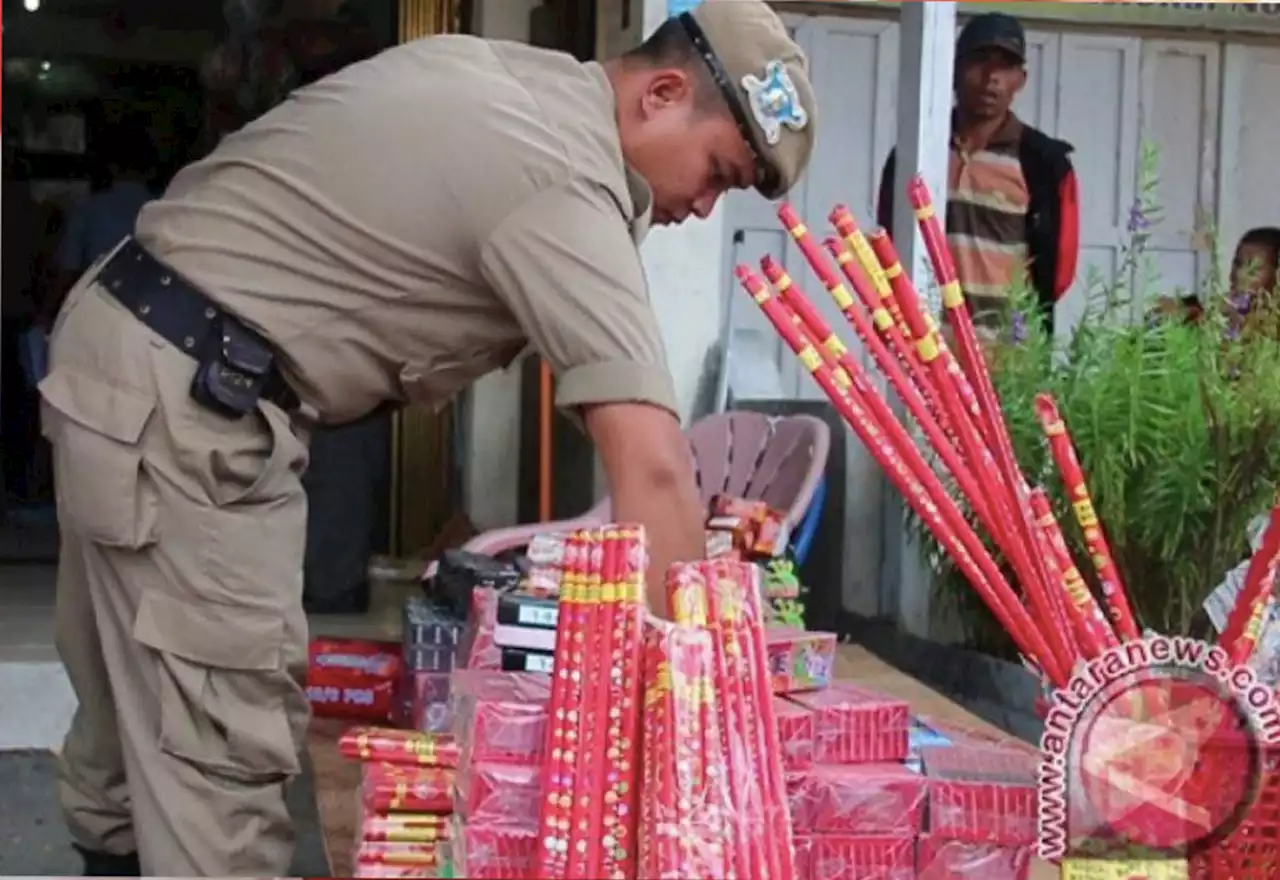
[404, 828]
[396, 788]
[399, 747]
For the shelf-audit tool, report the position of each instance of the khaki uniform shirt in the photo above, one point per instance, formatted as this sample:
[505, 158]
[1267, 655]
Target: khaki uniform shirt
[415, 221]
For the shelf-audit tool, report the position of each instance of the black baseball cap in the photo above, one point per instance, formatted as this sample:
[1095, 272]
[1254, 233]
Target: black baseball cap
[993, 30]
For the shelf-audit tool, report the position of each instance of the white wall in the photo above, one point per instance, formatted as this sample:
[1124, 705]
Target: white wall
[683, 267]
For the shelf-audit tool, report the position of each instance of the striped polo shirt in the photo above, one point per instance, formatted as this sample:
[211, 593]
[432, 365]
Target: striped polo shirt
[987, 219]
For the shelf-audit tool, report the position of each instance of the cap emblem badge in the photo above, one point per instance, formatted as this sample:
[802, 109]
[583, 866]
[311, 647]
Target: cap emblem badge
[774, 101]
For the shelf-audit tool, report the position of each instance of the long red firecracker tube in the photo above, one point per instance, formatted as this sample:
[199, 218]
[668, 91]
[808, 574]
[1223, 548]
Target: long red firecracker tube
[1003, 482]
[586, 804]
[1248, 615]
[607, 837]
[891, 340]
[936, 508]
[1073, 481]
[919, 398]
[777, 803]
[557, 780]
[1092, 631]
[892, 287]
[915, 404]
[848, 372]
[742, 754]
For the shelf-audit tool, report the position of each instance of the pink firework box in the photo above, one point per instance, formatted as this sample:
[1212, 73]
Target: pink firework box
[981, 794]
[493, 852]
[802, 846]
[477, 649]
[938, 859]
[855, 857]
[799, 661]
[800, 801]
[499, 794]
[795, 734]
[866, 799]
[854, 725]
[500, 717]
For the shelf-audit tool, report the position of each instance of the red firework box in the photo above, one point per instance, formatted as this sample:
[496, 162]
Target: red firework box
[493, 852]
[856, 726]
[799, 661]
[499, 794]
[795, 734]
[850, 857]
[500, 717]
[394, 746]
[354, 678]
[396, 788]
[863, 799]
[981, 794]
[957, 860]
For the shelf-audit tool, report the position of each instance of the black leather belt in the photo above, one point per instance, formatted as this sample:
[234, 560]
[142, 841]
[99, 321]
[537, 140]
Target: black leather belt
[231, 355]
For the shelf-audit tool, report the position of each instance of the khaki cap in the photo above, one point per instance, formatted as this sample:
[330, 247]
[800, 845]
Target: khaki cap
[765, 78]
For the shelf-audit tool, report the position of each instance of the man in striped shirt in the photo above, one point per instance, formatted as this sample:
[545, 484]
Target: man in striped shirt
[1012, 206]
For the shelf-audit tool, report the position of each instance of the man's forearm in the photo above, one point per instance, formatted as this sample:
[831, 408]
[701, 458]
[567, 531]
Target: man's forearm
[671, 514]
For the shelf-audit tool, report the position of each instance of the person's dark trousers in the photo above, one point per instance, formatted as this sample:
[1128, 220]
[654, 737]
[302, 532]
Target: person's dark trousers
[347, 486]
[19, 412]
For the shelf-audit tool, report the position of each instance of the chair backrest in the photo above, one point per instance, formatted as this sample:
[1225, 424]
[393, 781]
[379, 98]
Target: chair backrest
[777, 459]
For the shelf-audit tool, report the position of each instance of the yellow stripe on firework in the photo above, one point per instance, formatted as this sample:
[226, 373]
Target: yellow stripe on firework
[810, 358]
[835, 346]
[952, 295]
[928, 349]
[840, 293]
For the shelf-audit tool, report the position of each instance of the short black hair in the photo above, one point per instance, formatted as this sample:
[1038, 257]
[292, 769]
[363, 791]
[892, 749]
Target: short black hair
[671, 46]
[1264, 236]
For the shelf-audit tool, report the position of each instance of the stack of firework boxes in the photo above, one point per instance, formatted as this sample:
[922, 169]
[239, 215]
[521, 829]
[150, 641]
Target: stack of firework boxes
[878, 795]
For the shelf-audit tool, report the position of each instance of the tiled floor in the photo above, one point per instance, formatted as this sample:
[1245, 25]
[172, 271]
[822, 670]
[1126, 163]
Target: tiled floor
[32, 677]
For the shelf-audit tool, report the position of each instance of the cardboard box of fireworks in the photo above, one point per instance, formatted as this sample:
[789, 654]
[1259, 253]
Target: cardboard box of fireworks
[535, 722]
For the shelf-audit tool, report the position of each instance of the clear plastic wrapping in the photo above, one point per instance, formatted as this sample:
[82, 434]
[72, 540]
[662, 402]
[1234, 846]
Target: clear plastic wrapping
[481, 851]
[427, 701]
[981, 793]
[853, 725]
[850, 857]
[795, 734]
[477, 649]
[499, 794]
[862, 800]
[500, 717]
[714, 801]
[938, 859]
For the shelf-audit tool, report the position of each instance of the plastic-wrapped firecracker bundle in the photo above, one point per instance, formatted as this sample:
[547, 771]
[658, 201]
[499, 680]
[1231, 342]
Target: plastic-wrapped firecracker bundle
[375, 859]
[864, 800]
[400, 788]
[957, 860]
[500, 717]
[850, 857]
[795, 734]
[711, 707]
[981, 794]
[856, 726]
[481, 851]
[499, 794]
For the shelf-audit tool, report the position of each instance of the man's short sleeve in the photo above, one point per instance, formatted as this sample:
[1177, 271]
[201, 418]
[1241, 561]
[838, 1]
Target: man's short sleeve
[567, 267]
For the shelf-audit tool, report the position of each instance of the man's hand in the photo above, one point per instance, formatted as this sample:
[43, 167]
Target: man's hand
[649, 467]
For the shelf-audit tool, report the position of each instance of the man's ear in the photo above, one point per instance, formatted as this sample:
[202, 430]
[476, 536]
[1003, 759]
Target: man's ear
[667, 88]
[1022, 81]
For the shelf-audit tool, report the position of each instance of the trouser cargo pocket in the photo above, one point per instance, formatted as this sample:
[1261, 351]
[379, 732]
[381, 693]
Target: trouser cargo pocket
[225, 694]
[95, 428]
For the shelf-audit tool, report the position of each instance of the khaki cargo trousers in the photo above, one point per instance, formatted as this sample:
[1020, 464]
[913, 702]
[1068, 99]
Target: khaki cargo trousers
[179, 606]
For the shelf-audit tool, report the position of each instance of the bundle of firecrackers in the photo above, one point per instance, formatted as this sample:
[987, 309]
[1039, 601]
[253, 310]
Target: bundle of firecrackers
[713, 791]
[588, 807]
[969, 474]
[742, 529]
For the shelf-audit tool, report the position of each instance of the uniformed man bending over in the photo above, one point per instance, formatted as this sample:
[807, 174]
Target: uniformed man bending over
[386, 235]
